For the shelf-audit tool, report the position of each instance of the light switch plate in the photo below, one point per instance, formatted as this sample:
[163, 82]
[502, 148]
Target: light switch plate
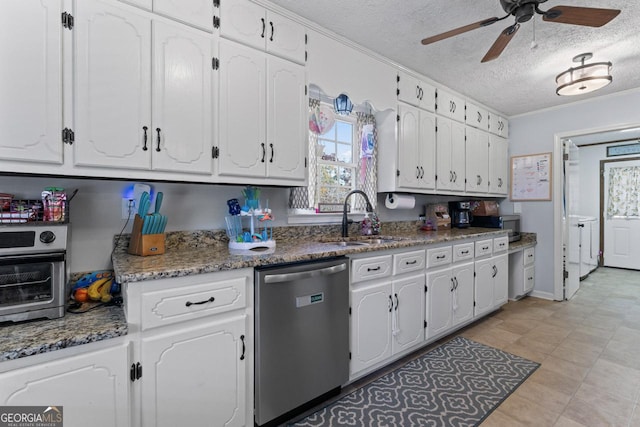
[517, 207]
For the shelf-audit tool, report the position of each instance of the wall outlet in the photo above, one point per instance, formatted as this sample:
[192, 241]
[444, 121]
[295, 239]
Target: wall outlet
[128, 208]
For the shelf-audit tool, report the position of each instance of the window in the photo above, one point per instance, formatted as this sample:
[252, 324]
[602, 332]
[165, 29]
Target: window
[336, 168]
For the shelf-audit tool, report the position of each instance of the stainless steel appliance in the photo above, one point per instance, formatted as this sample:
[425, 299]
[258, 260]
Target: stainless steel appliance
[301, 336]
[33, 271]
[507, 222]
[460, 214]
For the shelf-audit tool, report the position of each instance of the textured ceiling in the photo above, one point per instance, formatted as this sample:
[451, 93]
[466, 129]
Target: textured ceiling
[521, 80]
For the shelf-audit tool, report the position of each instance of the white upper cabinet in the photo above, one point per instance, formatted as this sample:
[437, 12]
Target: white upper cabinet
[477, 164]
[450, 151]
[31, 84]
[416, 148]
[251, 24]
[416, 92]
[116, 81]
[262, 115]
[498, 125]
[198, 13]
[450, 105]
[498, 165]
[477, 116]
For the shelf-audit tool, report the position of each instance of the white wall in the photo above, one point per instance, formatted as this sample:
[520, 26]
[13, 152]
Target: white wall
[535, 133]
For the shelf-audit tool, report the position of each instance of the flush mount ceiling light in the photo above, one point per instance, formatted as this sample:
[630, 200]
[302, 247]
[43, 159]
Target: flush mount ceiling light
[342, 104]
[584, 78]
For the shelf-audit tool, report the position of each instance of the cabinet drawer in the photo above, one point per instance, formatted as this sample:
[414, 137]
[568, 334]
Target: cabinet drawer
[484, 247]
[169, 306]
[370, 268]
[408, 261]
[500, 244]
[529, 256]
[462, 251]
[438, 256]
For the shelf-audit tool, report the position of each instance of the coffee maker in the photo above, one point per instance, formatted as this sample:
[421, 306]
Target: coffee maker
[460, 214]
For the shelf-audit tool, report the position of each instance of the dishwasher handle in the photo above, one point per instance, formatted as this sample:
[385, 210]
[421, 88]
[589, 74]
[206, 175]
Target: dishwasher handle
[290, 277]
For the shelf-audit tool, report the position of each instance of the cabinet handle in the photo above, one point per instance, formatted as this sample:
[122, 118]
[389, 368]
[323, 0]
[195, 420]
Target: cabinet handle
[271, 159]
[272, 31]
[421, 172]
[421, 94]
[144, 146]
[479, 117]
[415, 261]
[455, 176]
[264, 152]
[495, 271]
[189, 303]
[485, 248]
[499, 182]
[450, 176]
[452, 284]
[417, 92]
[390, 304]
[441, 257]
[417, 172]
[243, 347]
[479, 179]
[264, 27]
[397, 302]
[451, 106]
[373, 269]
[464, 252]
[158, 146]
[455, 279]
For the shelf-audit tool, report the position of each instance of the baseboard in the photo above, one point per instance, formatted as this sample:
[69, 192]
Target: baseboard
[542, 295]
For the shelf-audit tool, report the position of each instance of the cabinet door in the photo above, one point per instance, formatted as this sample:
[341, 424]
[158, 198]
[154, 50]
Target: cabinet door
[451, 106]
[477, 163]
[196, 376]
[477, 117]
[112, 86]
[244, 22]
[243, 149]
[458, 156]
[408, 312]
[31, 84]
[287, 120]
[181, 134]
[286, 38]
[462, 293]
[444, 151]
[498, 165]
[427, 148]
[198, 13]
[91, 386]
[408, 89]
[370, 326]
[500, 280]
[483, 286]
[529, 278]
[440, 289]
[498, 125]
[408, 147]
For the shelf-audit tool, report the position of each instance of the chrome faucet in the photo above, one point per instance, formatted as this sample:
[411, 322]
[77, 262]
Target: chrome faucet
[345, 220]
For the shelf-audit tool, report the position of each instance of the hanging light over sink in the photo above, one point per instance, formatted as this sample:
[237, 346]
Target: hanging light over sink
[584, 78]
[343, 105]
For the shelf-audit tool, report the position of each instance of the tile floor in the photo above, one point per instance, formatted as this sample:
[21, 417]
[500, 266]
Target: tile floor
[588, 347]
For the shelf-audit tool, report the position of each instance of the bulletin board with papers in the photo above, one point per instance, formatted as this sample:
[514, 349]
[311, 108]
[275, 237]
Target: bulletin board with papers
[531, 177]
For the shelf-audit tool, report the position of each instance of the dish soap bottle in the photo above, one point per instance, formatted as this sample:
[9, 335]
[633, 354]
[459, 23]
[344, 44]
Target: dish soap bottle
[366, 225]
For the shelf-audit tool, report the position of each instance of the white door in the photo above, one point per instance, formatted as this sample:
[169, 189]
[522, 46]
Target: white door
[285, 38]
[287, 144]
[571, 231]
[440, 288]
[621, 231]
[498, 164]
[408, 147]
[458, 157]
[182, 99]
[112, 86]
[427, 148]
[483, 286]
[462, 293]
[408, 312]
[243, 21]
[31, 81]
[195, 376]
[444, 151]
[371, 309]
[242, 125]
[477, 161]
[500, 280]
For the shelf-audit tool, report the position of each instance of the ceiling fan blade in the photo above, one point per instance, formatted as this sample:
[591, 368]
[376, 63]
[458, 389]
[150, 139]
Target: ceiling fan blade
[460, 30]
[501, 42]
[588, 16]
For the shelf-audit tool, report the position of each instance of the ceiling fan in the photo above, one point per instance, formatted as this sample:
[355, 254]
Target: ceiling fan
[523, 11]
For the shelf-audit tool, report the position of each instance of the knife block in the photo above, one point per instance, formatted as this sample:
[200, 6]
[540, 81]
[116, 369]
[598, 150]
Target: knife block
[144, 244]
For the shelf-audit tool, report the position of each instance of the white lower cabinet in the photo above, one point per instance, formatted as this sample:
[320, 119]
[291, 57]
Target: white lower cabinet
[92, 387]
[522, 275]
[491, 283]
[408, 309]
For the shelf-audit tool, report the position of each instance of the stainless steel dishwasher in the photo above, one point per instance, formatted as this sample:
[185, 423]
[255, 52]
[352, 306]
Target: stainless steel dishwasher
[301, 335]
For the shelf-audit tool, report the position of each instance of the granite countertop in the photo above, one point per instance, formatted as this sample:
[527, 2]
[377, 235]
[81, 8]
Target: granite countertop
[205, 252]
[41, 336]
[526, 240]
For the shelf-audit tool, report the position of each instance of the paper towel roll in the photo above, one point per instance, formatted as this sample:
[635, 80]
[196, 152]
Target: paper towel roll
[399, 201]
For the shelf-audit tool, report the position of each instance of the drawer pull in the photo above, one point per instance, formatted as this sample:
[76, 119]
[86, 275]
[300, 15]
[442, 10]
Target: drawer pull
[373, 269]
[243, 347]
[485, 248]
[415, 261]
[189, 303]
[464, 252]
[441, 257]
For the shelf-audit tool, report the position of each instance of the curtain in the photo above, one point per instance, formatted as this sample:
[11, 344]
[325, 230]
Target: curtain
[624, 185]
[303, 197]
[367, 177]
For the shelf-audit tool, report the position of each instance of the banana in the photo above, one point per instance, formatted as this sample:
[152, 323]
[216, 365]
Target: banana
[105, 291]
[94, 290]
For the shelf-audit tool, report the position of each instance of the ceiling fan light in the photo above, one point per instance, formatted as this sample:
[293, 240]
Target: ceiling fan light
[584, 78]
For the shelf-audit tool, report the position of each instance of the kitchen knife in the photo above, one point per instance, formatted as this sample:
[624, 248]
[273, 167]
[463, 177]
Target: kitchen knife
[159, 198]
[143, 205]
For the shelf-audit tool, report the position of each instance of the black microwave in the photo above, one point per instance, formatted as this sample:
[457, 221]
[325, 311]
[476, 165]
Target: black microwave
[506, 222]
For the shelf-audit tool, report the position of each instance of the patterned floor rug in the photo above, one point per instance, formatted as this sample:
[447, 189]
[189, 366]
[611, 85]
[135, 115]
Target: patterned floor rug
[456, 384]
